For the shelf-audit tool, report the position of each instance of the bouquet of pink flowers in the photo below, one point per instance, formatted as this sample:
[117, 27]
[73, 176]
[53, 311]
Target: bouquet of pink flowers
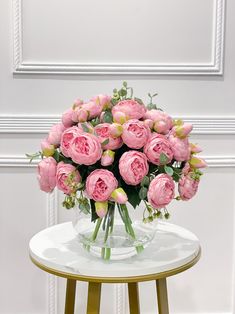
[113, 150]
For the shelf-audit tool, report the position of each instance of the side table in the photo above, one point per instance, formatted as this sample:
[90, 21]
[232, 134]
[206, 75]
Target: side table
[57, 251]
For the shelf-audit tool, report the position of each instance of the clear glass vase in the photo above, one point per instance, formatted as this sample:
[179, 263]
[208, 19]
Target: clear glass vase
[116, 236]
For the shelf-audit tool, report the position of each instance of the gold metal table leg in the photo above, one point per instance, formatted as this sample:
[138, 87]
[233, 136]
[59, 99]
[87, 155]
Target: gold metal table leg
[162, 298]
[133, 298]
[93, 303]
[70, 296]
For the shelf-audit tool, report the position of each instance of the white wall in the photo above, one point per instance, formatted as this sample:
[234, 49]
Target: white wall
[54, 51]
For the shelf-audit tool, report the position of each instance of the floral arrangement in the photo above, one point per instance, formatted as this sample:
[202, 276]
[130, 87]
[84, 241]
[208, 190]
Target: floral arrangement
[113, 150]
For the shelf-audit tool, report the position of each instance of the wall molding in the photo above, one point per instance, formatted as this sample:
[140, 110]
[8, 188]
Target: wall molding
[214, 67]
[40, 124]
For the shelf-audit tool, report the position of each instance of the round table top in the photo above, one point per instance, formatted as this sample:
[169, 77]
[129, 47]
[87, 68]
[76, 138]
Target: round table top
[58, 251]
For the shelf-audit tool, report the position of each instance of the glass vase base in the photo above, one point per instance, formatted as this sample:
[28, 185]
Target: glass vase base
[118, 244]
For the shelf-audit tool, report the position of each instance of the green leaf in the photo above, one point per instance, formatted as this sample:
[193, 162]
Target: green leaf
[108, 117]
[85, 127]
[139, 100]
[169, 170]
[132, 194]
[151, 106]
[56, 155]
[163, 159]
[124, 84]
[122, 92]
[145, 181]
[143, 193]
[105, 142]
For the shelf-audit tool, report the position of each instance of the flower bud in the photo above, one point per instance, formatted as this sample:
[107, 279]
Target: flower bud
[77, 103]
[182, 131]
[80, 115]
[101, 208]
[160, 126]
[47, 148]
[195, 149]
[115, 130]
[119, 117]
[107, 158]
[119, 196]
[149, 123]
[196, 162]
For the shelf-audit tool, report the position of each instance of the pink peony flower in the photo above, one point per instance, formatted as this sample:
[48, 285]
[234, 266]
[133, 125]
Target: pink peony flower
[85, 149]
[47, 148]
[100, 184]
[187, 187]
[47, 174]
[135, 134]
[103, 132]
[162, 121]
[131, 108]
[66, 139]
[67, 118]
[133, 166]
[107, 158]
[67, 177]
[156, 145]
[102, 100]
[180, 148]
[55, 133]
[161, 191]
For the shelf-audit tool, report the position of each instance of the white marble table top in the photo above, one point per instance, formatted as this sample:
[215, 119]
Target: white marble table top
[57, 248]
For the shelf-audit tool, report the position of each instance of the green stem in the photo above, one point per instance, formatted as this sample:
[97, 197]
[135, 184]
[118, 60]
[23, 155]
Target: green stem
[97, 227]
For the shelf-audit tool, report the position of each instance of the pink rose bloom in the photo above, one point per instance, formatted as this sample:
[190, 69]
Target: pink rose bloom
[103, 132]
[94, 109]
[133, 166]
[62, 176]
[187, 187]
[55, 133]
[162, 121]
[80, 115]
[131, 108]
[161, 191]
[67, 118]
[149, 123]
[156, 145]
[135, 134]
[47, 174]
[102, 100]
[100, 184]
[85, 149]
[180, 148]
[66, 139]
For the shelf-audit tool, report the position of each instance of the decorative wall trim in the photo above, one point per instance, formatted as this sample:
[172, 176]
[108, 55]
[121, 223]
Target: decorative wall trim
[214, 67]
[36, 124]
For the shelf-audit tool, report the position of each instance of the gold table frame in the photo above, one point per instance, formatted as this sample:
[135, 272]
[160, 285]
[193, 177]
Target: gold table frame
[94, 288]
